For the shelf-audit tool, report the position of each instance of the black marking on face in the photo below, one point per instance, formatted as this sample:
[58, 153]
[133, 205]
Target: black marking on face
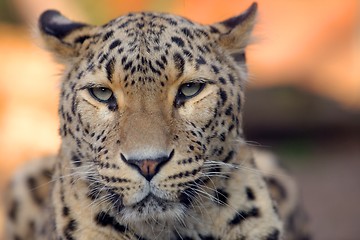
[223, 96]
[110, 67]
[82, 39]
[179, 63]
[65, 211]
[215, 69]
[108, 35]
[154, 70]
[187, 196]
[222, 80]
[187, 33]
[70, 228]
[243, 215]
[200, 60]
[114, 44]
[221, 197]
[105, 220]
[178, 41]
[229, 110]
[76, 160]
[250, 193]
[231, 78]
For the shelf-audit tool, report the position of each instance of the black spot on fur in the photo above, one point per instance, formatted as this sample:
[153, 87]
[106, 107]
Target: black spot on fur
[114, 44]
[76, 160]
[161, 65]
[178, 41]
[223, 96]
[108, 35]
[186, 196]
[187, 33]
[221, 197]
[200, 60]
[231, 78]
[222, 80]
[229, 110]
[104, 219]
[70, 228]
[242, 215]
[81, 39]
[215, 69]
[154, 70]
[65, 211]
[179, 63]
[249, 193]
[229, 156]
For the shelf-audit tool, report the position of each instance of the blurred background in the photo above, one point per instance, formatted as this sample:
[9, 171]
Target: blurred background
[303, 97]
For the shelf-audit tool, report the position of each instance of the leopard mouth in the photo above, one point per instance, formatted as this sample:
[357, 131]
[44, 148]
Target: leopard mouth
[152, 208]
[152, 200]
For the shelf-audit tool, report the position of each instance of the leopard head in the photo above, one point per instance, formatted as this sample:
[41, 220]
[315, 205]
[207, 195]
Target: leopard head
[150, 105]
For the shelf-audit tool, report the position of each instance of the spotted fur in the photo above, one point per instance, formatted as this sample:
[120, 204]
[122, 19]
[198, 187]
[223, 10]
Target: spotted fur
[148, 162]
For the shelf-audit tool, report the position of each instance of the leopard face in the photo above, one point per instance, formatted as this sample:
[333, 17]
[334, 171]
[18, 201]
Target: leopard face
[150, 106]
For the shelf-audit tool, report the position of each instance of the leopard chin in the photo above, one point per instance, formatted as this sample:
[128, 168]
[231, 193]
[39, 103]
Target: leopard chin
[152, 209]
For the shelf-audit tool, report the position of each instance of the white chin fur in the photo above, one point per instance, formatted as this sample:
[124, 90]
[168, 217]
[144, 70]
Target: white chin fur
[152, 211]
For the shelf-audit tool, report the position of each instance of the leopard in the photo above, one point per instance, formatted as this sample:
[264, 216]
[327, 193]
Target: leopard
[152, 141]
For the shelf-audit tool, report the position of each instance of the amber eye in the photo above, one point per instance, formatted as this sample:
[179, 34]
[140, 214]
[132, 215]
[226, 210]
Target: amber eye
[189, 90]
[101, 94]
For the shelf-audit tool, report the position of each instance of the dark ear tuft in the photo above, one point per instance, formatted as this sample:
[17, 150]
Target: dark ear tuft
[234, 21]
[51, 22]
[63, 37]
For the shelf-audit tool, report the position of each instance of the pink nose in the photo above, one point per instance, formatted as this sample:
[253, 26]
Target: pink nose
[148, 167]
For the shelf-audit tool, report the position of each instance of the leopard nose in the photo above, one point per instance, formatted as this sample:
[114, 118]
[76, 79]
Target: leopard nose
[148, 167]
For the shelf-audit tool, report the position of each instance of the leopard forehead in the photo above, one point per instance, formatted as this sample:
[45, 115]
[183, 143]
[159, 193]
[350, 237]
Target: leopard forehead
[144, 50]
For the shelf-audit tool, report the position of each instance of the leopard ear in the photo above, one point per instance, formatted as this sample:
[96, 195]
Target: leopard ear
[235, 32]
[62, 36]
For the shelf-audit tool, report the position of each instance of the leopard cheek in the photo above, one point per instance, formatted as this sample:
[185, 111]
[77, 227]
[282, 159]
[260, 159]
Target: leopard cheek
[201, 109]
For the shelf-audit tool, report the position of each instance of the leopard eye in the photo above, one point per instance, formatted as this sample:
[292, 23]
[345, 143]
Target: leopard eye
[101, 94]
[189, 90]
[186, 91]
